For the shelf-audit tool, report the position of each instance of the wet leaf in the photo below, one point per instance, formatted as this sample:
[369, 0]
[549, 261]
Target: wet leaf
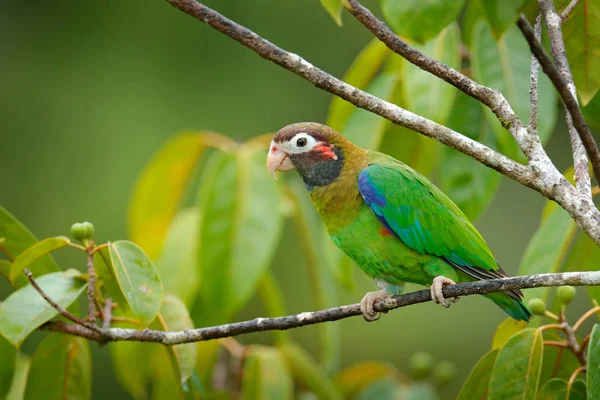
[334, 8]
[476, 385]
[160, 187]
[174, 316]
[178, 264]
[28, 258]
[138, 279]
[361, 72]
[60, 369]
[420, 20]
[506, 329]
[516, 372]
[240, 228]
[25, 310]
[17, 239]
[8, 362]
[266, 375]
[501, 14]
[593, 367]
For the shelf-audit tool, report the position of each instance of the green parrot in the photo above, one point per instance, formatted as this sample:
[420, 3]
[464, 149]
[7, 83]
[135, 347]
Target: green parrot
[389, 219]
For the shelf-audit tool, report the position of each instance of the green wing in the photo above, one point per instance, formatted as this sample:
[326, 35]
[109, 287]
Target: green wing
[424, 218]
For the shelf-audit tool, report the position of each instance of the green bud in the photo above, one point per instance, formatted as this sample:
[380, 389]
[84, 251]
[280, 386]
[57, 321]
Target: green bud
[2, 240]
[565, 294]
[421, 365]
[444, 372]
[88, 228]
[78, 231]
[537, 306]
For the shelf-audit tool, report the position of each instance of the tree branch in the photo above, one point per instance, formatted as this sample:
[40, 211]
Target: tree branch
[359, 98]
[568, 9]
[331, 314]
[533, 83]
[91, 290]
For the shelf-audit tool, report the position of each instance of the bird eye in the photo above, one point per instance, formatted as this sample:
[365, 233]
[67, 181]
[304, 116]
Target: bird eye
[301, 142]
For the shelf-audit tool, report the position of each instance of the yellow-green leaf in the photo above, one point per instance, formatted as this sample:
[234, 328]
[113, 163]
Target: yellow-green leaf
[25, 310]
[178, 263]
[307, 371]
[5, 268]
[266, 375]
[60, 369]
[138, 279]
[16, 238]
[360, 73]
[593, 367]
[581, 33]
[516, 372]
[334, 8]
[134, 380]
[240, 228]
[174, 316]
[160, 187]
[505, 330]
[28, 258]
[477, 382]
[17, 389]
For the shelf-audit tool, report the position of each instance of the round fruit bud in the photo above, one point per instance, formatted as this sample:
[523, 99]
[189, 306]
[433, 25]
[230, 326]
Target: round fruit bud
[565, 294]
[78, 231]
[444, 372]
[88, 229]
[537, 306]
[421, 365]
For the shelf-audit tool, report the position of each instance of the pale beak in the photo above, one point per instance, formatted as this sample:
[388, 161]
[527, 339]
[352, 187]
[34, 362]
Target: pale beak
[278, 160]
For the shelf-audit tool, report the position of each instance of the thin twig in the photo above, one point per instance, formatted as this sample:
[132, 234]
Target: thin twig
[533, 82]
[574, 375]
[555, 343]
[91, 289]
[331, 314]
[585, 316]
[565, 14]
[107, 314]
[56, 306]
[573, 344]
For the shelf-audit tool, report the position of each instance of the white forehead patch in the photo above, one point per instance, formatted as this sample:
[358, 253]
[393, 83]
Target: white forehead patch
[300, 143]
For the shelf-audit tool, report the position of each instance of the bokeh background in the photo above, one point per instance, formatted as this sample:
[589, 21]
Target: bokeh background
[90, 90]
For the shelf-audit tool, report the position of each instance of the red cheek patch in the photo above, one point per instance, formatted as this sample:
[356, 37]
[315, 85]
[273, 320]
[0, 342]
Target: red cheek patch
[326, 151]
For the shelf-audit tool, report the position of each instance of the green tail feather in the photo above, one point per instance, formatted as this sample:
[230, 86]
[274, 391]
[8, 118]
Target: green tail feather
[514, 308]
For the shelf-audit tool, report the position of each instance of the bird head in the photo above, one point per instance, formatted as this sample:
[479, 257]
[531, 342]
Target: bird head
[314, 150]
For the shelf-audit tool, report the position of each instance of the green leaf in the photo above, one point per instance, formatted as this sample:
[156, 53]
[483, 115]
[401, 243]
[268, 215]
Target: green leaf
[554, 389]
[133, 380]
[178, 264]
[469, 184]
[581, 33]
[161, 185]
[174, 316]
[308, 372]
[334, 8]
[361, 72]
[548, 247]
[591, 113]
[385, 389]
[417, 391]
[425, 94]
[354, 379]
[60, 369]
[7, 366]
[476, 385]
[505, 65]
[27, 259]
[108, 286]
[577, 391]
[505, 330]
[138, 279]
[266, 375]
[240, 228]
[593, 366]
[25, 310]
[364, 128]
[501, 14]
[5, 268]
[420, 20]
[516, 372]
[412, 148]
[17, 389]
[584, 256]
[557, 362]
[17, 239]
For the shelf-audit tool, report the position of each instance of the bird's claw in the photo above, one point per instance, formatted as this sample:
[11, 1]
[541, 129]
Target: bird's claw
[436, 291]
[367, 302]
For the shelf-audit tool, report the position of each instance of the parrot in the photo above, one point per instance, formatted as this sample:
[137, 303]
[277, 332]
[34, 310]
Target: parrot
[394, 223]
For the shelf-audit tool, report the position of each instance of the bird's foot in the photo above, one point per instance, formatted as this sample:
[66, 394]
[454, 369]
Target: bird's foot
[367, 302]
[436, 290]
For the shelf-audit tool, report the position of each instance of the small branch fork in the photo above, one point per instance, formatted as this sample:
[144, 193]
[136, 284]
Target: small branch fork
[539, 174]
[103, 335]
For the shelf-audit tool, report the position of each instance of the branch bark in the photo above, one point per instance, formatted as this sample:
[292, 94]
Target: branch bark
[331, 314]
[532, 127]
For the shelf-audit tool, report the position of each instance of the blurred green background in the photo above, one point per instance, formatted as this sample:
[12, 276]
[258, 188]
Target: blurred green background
[90, 90]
